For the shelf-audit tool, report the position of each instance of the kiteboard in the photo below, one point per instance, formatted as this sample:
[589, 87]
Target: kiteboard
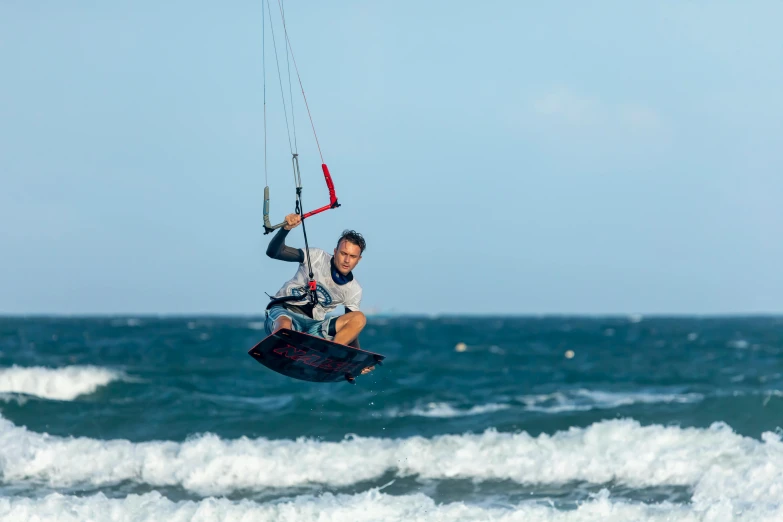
[310, 358]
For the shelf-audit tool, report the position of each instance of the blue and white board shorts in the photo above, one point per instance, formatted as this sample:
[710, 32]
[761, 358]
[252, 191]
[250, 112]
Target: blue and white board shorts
[301, 323]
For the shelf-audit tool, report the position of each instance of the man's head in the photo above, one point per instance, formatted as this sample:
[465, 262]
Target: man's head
[349, 251]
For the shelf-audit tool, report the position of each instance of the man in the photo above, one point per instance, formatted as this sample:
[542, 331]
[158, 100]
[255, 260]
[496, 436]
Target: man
[335, 285]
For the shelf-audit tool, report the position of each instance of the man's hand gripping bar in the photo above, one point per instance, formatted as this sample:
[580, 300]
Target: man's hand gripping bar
[332, 202]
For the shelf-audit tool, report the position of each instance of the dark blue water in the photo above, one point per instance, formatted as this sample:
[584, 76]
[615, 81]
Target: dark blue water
[503, 416]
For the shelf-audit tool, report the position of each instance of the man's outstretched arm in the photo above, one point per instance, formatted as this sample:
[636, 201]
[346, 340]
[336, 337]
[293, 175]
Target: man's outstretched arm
[277, 248]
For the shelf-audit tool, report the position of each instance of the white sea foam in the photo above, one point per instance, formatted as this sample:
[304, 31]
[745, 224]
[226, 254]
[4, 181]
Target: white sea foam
[585, 400]
[368, 506]
[63, 384]
[446, 410]
[620, 451]
[739, 344]
[558, 402]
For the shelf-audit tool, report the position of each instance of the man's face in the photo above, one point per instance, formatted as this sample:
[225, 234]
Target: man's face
[346, 256]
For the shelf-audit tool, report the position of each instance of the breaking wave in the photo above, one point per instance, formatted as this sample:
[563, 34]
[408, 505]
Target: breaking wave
[712, 461]
[368, 506]
[64, 384]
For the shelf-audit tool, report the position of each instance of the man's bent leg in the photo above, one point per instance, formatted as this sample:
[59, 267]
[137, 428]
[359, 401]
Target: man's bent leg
[282, 322]
[277, 318]
[349, 326]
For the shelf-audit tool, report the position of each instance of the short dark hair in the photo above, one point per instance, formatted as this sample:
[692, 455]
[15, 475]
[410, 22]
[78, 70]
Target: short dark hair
[354, 237]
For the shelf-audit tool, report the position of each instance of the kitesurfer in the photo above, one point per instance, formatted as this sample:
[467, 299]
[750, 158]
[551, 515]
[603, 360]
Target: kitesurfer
[335, 285]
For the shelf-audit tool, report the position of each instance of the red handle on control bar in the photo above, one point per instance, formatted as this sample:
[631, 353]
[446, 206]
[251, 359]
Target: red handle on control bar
[332, 196]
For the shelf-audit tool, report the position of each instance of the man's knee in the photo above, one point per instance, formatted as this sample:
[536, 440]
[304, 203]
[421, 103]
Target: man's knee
[359, 319]
[283, 322]
[353, 320]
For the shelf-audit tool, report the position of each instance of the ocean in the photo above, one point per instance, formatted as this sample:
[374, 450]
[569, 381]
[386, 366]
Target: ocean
[570, 419]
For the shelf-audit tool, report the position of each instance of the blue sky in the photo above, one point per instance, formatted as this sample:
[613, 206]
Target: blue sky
[500, 157]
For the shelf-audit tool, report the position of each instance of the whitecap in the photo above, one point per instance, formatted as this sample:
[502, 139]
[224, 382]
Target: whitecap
[366, 506]
[446, 410]
[613, 451]
[586, 400]
[63, 384]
